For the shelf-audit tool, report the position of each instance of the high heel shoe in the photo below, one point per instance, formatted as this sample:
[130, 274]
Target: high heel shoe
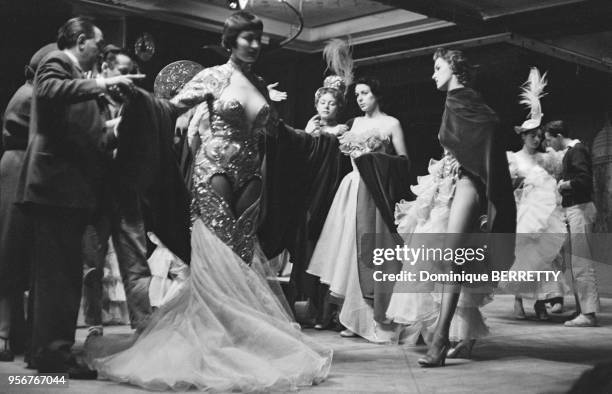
[435, 358]
[463, 349]
[540, 310]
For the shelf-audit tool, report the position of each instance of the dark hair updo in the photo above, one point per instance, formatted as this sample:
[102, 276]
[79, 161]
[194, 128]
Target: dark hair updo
[556, 128]
[237, 23]
[375, 87]
[458, 62]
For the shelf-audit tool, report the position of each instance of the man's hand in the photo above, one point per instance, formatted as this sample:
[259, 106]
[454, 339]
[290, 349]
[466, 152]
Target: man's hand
[124, 83]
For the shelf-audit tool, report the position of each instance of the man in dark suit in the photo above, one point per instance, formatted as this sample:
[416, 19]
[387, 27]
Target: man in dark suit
[14, 226]
[120, 217]
[64, 167]
[576, 188]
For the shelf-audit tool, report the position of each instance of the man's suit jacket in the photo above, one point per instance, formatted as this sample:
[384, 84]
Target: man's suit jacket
[577, 169]
[67, 157]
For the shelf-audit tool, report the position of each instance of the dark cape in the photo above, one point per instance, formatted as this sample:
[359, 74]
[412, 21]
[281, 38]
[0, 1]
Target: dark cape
[384, 181]
[470, 132]
[300, 174]
[149, 165]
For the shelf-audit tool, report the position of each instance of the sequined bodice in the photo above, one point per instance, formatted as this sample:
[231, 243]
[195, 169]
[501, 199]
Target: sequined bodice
[231, 145]
[229, 148]
[233, 113]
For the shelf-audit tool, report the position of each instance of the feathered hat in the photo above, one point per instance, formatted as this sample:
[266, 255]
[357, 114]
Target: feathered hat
[337, 55]
[532, 91]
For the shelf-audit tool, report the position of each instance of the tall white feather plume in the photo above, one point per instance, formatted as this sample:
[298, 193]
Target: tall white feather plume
[339, 59]
[532, 91]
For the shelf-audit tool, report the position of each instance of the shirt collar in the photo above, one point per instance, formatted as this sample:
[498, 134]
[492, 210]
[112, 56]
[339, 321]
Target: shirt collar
[73, 59]
[573, 143]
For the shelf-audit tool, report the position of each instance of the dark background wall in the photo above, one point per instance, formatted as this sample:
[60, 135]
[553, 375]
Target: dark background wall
[577, 94]
[25, 26]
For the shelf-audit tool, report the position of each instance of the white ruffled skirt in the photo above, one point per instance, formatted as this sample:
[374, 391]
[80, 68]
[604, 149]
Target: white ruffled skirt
[418, 309]
[541, 233]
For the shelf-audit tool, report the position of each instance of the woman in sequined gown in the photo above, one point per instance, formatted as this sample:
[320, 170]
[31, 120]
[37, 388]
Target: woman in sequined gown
[335, 259]
[226, 330]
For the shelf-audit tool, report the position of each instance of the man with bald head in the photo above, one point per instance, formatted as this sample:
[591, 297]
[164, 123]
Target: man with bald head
[64, 166]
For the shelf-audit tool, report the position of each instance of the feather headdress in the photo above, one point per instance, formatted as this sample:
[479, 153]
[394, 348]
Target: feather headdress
[338, 57]
[532, 92]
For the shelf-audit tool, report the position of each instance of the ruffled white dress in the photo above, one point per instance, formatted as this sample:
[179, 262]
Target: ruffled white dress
[540, 226]
[417, 308]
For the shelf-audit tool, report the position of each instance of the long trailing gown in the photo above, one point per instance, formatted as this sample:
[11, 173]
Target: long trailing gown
[335, 258]
[540, 224]
[226, 329]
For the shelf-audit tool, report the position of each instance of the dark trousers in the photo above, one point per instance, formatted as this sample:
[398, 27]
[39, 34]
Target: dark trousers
[122, 220]
[57, 276]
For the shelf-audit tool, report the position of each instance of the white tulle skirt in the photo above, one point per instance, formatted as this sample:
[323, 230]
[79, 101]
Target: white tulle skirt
[541, 233]
[226, 330]
[418, 309]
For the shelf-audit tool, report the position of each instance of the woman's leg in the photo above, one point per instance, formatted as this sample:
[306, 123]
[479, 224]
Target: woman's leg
[249, 194]
[223, 187]
[463, 214]
[240, 201]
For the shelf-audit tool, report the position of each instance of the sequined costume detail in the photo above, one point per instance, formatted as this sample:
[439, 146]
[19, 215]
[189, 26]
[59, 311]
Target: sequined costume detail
[229, 147]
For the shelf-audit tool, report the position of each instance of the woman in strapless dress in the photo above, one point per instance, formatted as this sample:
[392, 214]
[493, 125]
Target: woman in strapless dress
[335, 258]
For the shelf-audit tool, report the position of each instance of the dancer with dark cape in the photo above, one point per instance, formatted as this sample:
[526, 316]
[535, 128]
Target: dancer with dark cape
[469, 190]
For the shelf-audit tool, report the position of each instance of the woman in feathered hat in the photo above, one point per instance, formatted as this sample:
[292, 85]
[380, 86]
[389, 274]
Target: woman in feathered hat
[330, 98]
[538, 210]
[336, 259]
